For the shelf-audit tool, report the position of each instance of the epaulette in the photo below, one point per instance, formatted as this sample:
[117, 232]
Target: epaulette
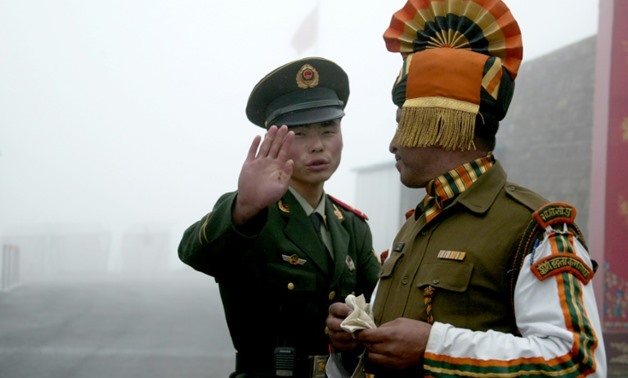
[550, 214]
[410, 213]
[348, 208]
[525, 196]
[383, 256]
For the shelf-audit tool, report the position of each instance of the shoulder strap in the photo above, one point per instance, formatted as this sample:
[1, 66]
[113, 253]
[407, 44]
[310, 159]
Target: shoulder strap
[348, 208]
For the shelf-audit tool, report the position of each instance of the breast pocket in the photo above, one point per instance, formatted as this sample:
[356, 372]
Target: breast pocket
[451, 300]
[291, 280]
[294, 291]
[447, 275]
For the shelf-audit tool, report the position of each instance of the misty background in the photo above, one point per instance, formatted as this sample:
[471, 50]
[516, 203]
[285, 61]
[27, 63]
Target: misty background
[122, 122]
[126, 116]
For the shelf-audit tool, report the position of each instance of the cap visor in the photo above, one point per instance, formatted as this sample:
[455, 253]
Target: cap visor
[309, 116]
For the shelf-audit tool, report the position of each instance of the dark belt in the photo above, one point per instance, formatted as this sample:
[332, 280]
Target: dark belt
[260, 366]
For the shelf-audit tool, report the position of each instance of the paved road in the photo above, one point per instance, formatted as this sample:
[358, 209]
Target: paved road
[115, 326]
[166, 326]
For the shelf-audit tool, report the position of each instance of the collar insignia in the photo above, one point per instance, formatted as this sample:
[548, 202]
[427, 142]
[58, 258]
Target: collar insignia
[338, 213]
[283, 207]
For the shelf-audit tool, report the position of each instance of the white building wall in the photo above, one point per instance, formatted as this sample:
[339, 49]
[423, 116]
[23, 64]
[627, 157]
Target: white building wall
[380, 194]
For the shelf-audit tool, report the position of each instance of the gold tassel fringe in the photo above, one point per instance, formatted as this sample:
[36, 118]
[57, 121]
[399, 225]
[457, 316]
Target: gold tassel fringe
[449, 128]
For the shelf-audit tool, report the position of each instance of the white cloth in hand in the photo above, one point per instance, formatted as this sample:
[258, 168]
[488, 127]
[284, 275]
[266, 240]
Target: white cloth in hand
[361, 317]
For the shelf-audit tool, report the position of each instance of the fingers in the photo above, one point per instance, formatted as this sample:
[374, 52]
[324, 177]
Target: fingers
[253, 149]
[340, 339]
[369, 336]
[288, 168]
[343, 342]
[398, 344]
[339, 310]
[274, 141]
[286, 143]
[268, 140]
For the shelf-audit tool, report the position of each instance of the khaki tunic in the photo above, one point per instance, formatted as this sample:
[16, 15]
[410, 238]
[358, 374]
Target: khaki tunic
[485, 222]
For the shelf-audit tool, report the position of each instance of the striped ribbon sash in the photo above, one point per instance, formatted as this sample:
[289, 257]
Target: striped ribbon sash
[446, 187]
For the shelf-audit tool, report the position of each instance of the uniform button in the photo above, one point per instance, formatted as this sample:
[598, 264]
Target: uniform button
[332, 295]
[405, 280]
[435, 281]
[290, 286]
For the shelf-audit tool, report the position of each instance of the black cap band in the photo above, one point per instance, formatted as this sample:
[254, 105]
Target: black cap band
[276, 113]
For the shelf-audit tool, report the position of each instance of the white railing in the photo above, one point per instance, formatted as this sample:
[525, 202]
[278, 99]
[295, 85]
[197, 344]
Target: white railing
[9, 267]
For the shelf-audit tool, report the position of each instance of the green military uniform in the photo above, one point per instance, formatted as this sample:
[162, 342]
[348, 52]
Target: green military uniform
[277, 276]
[277, 280]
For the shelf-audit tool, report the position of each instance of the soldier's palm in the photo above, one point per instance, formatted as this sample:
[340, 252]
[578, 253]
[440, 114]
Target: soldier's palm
[265, 179]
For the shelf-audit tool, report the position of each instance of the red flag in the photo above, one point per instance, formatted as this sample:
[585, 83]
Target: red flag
[306, 35]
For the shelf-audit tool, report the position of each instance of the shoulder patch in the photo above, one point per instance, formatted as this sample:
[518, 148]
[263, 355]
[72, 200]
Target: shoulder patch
[556, 264]
[348, 208]
[555, 212]
[546, 215]
[562, 260]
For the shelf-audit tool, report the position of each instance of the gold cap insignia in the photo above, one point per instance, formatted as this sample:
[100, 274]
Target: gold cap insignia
[307, 77]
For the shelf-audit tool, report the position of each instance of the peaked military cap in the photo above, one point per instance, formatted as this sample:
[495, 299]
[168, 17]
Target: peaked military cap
[301, 92]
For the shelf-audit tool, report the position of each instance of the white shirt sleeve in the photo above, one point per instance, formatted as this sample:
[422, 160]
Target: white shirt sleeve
[556, 314]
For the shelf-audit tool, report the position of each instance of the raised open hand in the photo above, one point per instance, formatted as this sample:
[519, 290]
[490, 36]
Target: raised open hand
[265, 174]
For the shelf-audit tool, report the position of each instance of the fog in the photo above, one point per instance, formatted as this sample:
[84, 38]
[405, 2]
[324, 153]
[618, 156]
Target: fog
[122, 122]
[128, 116]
